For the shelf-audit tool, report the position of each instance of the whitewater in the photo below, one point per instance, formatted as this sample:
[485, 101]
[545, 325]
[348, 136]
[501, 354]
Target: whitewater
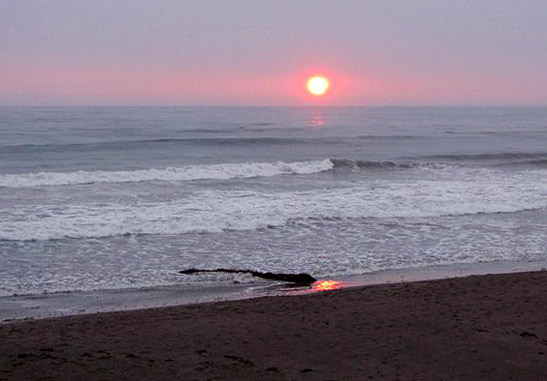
[184, 173]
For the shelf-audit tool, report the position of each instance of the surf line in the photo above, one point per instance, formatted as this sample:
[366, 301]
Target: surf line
[300, 279]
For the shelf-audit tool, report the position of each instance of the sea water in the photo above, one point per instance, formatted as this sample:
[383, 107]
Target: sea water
[99, 198]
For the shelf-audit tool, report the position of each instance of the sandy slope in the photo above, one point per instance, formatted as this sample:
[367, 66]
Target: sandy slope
[481, 327]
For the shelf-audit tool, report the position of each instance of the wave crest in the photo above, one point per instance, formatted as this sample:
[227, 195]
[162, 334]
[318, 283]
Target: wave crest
[386, 164]
[223, 171]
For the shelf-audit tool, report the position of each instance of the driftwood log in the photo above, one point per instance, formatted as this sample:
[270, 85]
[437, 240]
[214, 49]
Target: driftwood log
[302, 278]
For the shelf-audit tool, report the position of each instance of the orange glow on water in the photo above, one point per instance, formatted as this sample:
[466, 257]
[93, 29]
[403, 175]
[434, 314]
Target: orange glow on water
[327, 285]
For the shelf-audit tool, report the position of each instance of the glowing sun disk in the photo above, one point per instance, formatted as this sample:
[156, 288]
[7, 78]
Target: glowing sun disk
[318, 85]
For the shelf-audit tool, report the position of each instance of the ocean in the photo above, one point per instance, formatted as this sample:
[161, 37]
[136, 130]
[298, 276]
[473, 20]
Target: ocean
[108, 198]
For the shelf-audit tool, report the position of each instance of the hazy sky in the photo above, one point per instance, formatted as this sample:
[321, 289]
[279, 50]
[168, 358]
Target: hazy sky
[254, 52]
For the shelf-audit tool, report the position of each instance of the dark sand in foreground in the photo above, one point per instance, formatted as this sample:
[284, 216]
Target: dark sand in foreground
[490, 327]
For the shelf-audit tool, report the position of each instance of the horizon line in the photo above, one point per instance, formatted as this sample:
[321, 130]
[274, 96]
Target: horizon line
[446, 105]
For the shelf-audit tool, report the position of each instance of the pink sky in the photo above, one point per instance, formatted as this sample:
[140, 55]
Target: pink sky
[261, 53]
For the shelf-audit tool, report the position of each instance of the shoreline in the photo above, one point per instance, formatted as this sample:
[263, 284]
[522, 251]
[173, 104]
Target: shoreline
[488, 327]
[48, 305]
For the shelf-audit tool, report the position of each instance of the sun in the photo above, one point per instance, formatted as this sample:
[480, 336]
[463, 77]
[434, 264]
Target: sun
[318, 85]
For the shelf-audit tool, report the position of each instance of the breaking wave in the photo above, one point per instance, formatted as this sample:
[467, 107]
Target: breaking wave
[370, 164]
[227, 171]
[223, 171]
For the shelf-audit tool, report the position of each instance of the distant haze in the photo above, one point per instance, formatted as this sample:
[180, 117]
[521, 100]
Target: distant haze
[255, 52]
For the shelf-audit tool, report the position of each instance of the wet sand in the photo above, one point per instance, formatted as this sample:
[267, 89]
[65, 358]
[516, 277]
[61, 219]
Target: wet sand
[491, 327]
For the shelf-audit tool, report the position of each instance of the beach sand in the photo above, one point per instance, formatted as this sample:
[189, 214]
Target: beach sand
[491, 327]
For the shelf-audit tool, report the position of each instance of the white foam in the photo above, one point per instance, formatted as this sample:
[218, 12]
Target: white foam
[215, 210]
[183, 173]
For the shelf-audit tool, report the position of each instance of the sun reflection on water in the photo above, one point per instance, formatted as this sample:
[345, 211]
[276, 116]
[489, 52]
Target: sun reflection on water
[317, 121]
[327, 285]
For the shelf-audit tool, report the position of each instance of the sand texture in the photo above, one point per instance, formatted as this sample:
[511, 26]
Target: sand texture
[490, 327]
